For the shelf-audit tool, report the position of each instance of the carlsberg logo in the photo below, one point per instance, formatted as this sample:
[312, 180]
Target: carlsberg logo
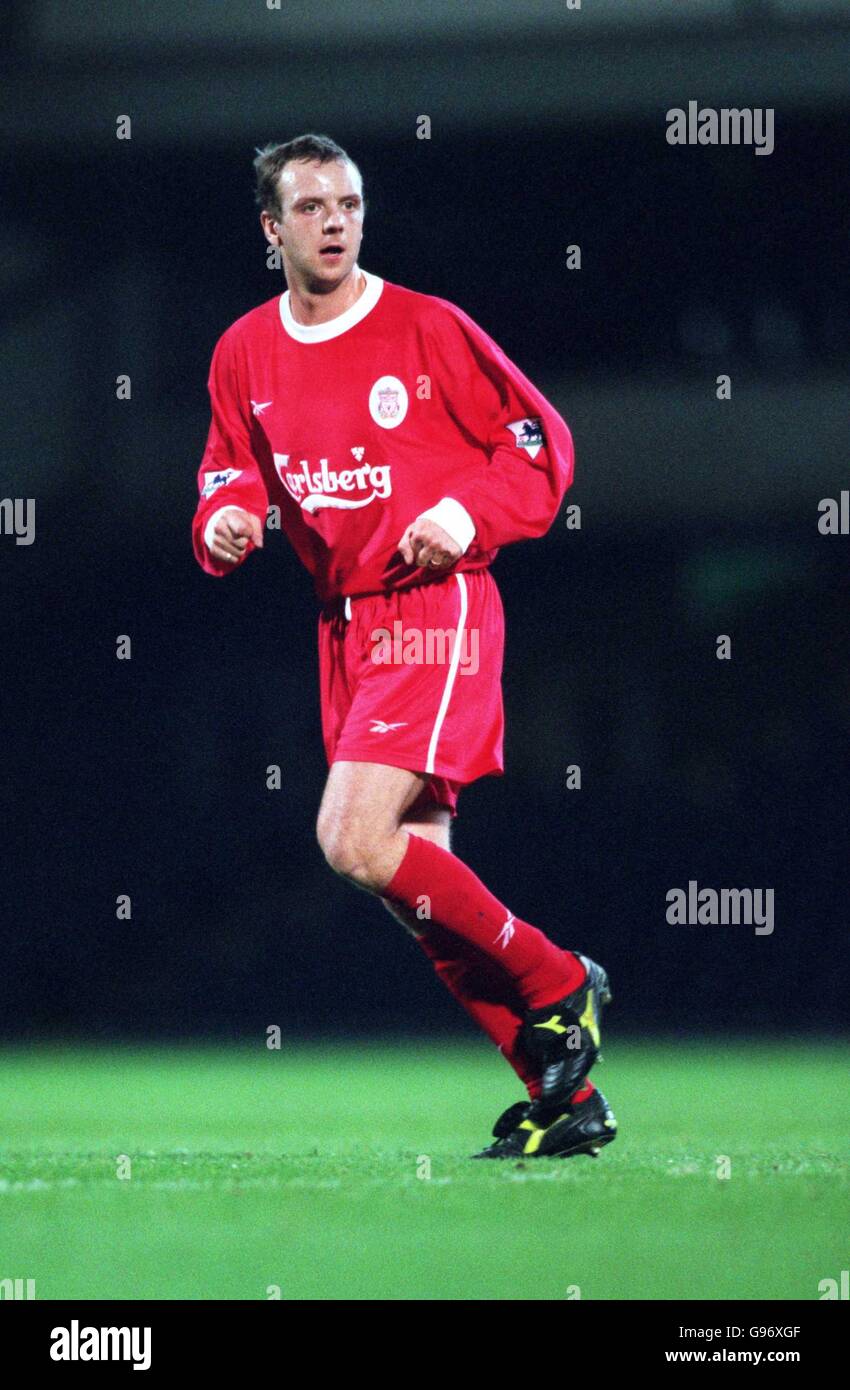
[77, 1343]
[315, 489]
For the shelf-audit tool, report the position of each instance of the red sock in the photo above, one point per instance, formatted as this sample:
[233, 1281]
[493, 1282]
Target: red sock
[542, 973]
[488, 998]
[481, 988]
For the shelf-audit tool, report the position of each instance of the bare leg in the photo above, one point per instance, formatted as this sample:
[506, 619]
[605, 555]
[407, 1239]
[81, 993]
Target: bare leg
[360, 826]
[365, 831]
[361, 829]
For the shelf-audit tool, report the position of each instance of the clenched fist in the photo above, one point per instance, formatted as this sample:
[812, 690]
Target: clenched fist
[426, 543]
[232, 532]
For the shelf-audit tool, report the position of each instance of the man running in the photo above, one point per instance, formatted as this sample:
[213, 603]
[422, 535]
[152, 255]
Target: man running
[403, 448]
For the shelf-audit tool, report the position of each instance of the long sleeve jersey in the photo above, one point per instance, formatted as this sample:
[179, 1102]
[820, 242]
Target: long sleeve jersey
[399, 407]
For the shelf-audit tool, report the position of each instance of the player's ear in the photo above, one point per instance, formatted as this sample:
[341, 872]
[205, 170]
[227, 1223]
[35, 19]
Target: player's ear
[270, 227]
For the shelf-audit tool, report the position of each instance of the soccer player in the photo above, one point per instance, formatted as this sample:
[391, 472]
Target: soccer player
[403, 448]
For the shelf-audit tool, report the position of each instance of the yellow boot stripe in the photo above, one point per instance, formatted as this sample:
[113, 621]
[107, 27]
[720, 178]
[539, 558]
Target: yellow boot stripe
[588, 1020]
[553, 1024]
[532, 1144]
[535, 1138]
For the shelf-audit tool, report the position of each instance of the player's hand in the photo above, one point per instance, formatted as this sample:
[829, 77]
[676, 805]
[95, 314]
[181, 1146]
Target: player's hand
[231, 534]
[426, 543]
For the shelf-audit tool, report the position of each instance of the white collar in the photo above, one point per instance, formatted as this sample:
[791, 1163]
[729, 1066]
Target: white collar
[321, 332]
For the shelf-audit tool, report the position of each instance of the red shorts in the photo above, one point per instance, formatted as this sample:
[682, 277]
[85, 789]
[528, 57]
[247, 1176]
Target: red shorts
[413, 679]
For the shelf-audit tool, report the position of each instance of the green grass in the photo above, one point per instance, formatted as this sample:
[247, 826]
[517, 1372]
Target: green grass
[298, 1168]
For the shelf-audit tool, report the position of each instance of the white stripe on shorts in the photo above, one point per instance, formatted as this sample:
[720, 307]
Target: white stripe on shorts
[450, 678]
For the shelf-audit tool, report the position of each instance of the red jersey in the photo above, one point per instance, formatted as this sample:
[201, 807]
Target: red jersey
[354, 428]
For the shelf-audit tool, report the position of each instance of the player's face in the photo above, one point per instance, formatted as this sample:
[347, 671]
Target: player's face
[322, 222]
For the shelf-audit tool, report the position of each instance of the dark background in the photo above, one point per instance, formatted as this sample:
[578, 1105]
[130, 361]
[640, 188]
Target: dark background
[699, 516]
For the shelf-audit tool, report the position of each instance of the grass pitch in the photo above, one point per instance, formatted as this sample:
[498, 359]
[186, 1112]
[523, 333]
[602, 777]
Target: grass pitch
[300, 1169]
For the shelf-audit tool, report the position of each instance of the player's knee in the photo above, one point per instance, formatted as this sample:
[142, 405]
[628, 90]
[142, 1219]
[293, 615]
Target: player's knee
[347, 850]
